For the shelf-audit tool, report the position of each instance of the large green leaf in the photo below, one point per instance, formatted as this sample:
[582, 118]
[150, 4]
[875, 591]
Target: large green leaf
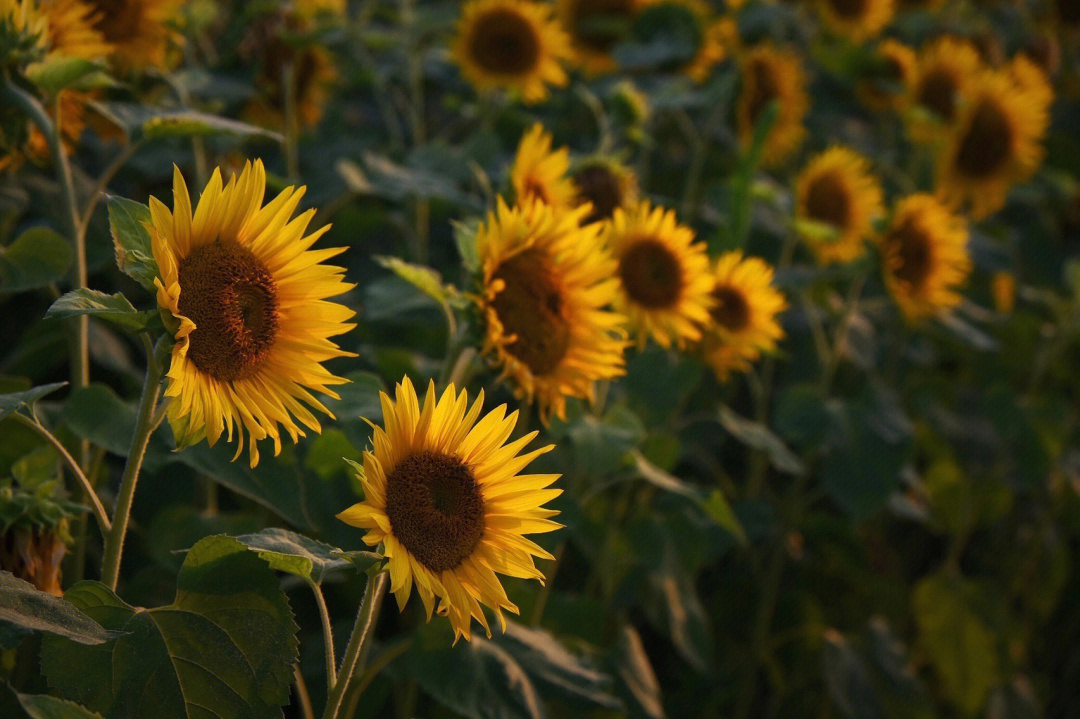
[57, 72]
[24, 609]
[111, 308]
[14, 705]
[131, 240]
[223, 649]
[37, 258]
[17, 400]
[296, 554]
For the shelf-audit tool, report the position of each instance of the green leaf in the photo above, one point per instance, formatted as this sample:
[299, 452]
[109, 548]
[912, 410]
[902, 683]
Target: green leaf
[111, 308]
[296, 554]
[39, 706]
[758, 436]
[601, 443]
[635, 675]
[97, 414]
[962, 648]
[57, 72]
[224, 648]
[24, 609]
[141, 122]
[715, 505]
[719, 510]
[37, 258]
[17, 400]
[465, 239]
[327, 452]
[369, 562]
[426, 280]
[131, 240]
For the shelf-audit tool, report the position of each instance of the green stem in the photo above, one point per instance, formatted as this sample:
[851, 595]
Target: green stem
[377, 665]
[361, 633]
[146, 422]
[328, 635]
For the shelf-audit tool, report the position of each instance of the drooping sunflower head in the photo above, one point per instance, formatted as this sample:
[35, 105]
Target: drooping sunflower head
[547, 285]
[889, 77]
[140, 32]
[708, 38]
[858, 20]
[595, 27]
[743, 321]
[946, 67]
[540, 173]
[771, 75]
[925, 257]
[996, 140]
[512, 44]
[605, 185]
[73, 30]
[444, 496]
[24, 32]
[664, 279]
[247, 299]
[838, 190]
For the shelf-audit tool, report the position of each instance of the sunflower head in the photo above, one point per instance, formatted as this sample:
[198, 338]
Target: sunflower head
[605, 185]
[743, 322]
[540, 172]
[889, 76]
[771, 75]
[996, 140]
[703, 39]
[838, 190]
[444, 496]
[664, 280]
[595, 27]
[24, 33]
[547, 283]
[945, 69]
[511, 44]
[73, 30]
[248, 301]
[141, 32]
[925, 258]
[857, 20]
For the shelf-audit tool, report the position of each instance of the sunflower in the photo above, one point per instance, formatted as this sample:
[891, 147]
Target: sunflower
[24, 32]
[72, 30]
[743, 319]
[663, 274]
[713, 35]
[139, 31]
[594, 28]
[857, 20]
[945, 70]
[547, 282]
[995, 142]
[443, 495]
[249, 303]
[838, 190]
[925, 256]
[769, 74]
[604, 185]
[540, 172]
[889, 77]
[513, 44]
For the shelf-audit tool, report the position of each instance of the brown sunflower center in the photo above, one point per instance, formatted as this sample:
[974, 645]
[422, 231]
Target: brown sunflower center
[530, 307]
[435, 508]
[117, 20]
[651, 274]
[596, 23]
[987, 142]
[600, 186]
[827, 200]
[764, 88]
[938, 92]
[232, 299]
[505, 43]
[533, 188]
[912, 247]
[732, 311]
[849, 9]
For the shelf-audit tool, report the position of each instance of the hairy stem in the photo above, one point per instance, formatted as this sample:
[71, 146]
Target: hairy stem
[361, 633]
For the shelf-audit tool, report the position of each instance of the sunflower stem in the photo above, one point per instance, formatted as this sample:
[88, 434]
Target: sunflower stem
[361, 633]
[146, 422]
[328, 635]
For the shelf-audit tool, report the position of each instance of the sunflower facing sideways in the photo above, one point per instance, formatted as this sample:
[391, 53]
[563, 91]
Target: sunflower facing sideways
[888, 78]
[595, 27]
[925, 257]
[444, 497]
[714, 35]
[664, 278]
[743, 324]
[605, 185]
[141, 32]
[945, 69]
[995, 142]
[857, 20]
[838, 191]
[771, 75]
[539, 172]
[547, 284]
[248, 300]
[511, 44]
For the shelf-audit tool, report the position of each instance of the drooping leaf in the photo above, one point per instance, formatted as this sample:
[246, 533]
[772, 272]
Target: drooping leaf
[57, 72]
[14, 705]
[635, 675]
[424, 279]
[713, 503]
[296, 554]
[758, 436]
[17, 400]
[144, 122]
[131, 240]
[36, 258]
[112, 308]
[25, 608]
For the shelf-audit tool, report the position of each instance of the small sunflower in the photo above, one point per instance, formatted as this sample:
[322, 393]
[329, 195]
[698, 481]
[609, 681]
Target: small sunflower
[946, 68]
[925, 256]
[444, 497]
[887, 84]
[605, 185]
[857, 20]
[595, 27]
[837, 189]
[995, 142]
[513, 44]
[663, 274]
[249, 302]
[714, 35]
[140, 32]
[539, 172]
[770, 74]
[547, 282]
[744, 324]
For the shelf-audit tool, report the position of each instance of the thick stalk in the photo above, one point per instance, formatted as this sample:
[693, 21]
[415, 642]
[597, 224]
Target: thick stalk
[328, 635]
[146, 421]
[362, 630]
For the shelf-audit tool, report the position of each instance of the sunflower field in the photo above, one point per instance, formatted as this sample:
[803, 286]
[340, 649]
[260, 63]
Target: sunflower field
[539, 359]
